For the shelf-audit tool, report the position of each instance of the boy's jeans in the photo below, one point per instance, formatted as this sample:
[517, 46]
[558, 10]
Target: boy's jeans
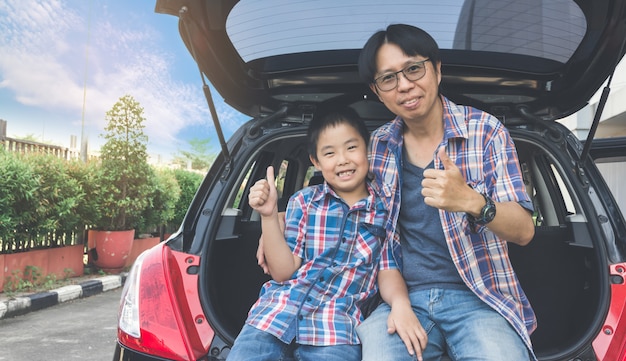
[456, 321]
[256, 345]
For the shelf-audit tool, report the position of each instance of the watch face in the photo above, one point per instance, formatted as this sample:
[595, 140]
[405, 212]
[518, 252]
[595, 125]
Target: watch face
[490, 213]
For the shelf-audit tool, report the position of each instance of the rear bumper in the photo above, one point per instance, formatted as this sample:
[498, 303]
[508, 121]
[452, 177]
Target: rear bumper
[125, 354]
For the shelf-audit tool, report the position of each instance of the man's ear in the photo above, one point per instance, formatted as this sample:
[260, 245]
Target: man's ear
[375, 90]
[438, 70]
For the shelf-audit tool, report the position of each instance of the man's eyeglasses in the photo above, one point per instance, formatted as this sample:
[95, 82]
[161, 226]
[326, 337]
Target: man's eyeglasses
[413, 72]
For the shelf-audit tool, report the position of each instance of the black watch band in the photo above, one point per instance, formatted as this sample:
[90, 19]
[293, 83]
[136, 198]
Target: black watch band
[487, 213]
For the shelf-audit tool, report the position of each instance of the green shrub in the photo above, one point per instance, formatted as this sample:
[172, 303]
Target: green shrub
[162, 199]
[86, 175]
[188, 183]
[18, 200]
[58, 199]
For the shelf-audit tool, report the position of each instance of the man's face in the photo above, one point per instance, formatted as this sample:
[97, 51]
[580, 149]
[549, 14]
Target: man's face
[411, 100]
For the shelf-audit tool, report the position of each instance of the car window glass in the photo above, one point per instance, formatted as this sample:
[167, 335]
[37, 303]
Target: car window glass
[280, 178]
[553, 200]
[241, 190]
[310, 172]
[550, 29]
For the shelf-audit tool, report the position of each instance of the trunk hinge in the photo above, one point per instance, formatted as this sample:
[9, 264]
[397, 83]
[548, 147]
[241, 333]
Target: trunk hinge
[596, 119]
[207, 91]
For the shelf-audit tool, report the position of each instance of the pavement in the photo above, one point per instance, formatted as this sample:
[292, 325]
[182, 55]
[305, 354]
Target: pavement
[25, 303]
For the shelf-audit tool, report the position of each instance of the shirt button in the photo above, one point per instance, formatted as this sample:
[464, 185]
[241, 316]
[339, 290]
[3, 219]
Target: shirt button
[343, 239]
[300, 317]
[308, 299]
[322, 279]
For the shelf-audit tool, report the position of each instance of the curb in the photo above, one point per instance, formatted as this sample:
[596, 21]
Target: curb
[37, 301]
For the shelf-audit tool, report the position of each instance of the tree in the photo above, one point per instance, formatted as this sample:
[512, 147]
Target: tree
[124, 172]
[200, 155]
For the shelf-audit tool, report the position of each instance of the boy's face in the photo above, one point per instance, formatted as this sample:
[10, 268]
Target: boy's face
[342, 159]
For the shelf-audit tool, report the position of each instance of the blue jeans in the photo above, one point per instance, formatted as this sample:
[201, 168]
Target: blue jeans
[256, 345]
[457, 323]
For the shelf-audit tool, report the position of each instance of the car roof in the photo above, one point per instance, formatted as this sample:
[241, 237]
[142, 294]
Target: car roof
[512, 58]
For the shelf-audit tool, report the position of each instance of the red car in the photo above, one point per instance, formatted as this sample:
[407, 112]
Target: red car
[529, 62]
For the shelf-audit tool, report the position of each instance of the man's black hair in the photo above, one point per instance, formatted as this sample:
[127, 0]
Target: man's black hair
[332, 119]
[412, 40]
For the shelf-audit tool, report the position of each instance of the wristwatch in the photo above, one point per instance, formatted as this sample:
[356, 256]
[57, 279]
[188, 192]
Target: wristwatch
[487, 213]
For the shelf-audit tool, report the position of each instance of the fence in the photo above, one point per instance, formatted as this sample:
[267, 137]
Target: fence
[32, 242]
[26, 146]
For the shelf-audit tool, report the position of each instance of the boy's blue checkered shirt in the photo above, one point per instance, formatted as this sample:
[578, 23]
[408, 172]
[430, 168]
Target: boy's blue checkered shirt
[340, 247]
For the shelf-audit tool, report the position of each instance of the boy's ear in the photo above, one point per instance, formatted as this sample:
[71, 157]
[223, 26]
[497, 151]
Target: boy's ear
[314, 162]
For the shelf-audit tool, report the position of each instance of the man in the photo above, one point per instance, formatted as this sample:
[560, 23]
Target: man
[451, 179]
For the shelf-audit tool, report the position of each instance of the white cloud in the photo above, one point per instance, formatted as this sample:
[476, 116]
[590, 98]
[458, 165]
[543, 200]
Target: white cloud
[45, 45]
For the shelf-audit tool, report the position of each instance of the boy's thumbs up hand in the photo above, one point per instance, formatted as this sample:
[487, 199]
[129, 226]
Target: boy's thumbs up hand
[263, 196]
[271, 180]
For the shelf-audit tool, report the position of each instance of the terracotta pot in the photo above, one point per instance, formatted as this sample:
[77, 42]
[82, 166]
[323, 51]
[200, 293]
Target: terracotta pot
[140, 245]
[109, 250]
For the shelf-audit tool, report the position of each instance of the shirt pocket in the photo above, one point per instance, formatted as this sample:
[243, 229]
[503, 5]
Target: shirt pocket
[368, 243]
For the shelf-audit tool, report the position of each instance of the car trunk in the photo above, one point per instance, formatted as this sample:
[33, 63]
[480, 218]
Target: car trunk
[561, 270]
[528, 86]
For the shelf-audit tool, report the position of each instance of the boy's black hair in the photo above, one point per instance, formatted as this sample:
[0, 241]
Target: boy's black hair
[320, 123]
[412, 40]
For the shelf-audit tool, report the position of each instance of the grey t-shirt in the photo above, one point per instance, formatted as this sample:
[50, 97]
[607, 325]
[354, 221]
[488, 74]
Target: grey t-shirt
[426, 259]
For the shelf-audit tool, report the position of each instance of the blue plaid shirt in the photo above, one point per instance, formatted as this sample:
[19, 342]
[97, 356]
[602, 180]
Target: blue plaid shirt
[484, 152]
[340, 248]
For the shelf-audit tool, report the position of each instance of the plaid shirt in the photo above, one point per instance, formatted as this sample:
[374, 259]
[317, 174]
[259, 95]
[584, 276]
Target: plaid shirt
[484, 152]
[340, 249]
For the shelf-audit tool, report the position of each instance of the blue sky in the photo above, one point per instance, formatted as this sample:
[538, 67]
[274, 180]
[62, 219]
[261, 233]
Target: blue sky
[60, 54]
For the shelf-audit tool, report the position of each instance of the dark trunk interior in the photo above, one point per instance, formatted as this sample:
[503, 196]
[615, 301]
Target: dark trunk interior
[559, 276]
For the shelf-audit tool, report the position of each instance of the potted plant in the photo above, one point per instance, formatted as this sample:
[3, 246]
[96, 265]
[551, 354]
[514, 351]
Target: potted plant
[123, 179]
[163, 196]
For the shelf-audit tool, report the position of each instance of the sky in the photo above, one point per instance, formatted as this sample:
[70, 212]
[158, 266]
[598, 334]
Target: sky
[65, 63]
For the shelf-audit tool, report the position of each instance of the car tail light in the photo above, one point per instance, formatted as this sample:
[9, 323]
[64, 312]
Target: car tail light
[160, 312]
[129, 304]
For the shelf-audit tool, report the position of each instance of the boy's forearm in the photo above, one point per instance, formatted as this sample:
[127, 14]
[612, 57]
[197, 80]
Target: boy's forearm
[393, 288]
[279, 258]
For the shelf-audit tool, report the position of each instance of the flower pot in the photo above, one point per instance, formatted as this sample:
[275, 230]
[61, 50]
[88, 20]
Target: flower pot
[140, 245]
[109, 250]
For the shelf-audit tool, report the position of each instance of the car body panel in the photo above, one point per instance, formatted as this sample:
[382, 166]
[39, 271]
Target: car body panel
[196, 288]
[611, 342]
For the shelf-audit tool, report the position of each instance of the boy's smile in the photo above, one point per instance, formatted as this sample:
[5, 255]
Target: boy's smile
[342, 159]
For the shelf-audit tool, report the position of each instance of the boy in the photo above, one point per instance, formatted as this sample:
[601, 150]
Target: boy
[325, 264]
